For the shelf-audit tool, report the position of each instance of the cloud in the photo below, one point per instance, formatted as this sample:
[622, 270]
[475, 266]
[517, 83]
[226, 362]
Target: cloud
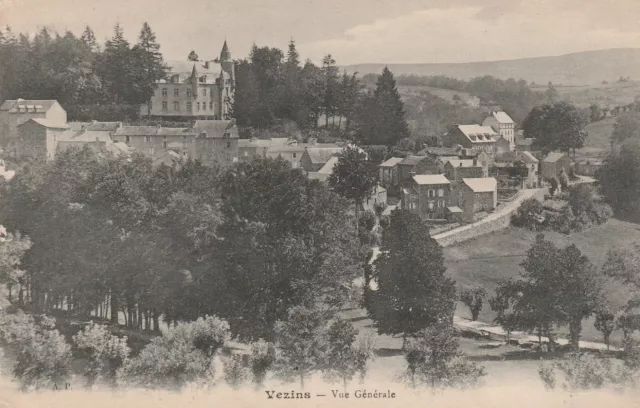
[477, 33]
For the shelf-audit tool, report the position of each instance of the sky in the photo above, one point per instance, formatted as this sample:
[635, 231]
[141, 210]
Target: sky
[353, 31]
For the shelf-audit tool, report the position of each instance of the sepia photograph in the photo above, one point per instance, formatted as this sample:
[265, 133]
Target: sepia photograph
[319, 203]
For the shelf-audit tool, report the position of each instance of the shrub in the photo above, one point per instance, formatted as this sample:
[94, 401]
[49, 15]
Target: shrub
[563, 180]
[182, 355]
[235, 372]
[384, 221]
[263, 356]
[106, 352]
[379, 209]
[528, 215]
[367, 220]
[473, 298]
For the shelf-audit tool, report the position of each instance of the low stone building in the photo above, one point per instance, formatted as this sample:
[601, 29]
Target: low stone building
[37, 139]
[476, 195]
[15, 112]
[456, 169]
[588, 167]
[428, 195]
[552, 165]
[389, 172]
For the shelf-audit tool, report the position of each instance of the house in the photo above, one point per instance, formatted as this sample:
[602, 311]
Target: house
[428, 195]
[413, 165]
[525, 145]
[168, 158]
[389, 171]
[14, 112]
[153, 141]
[314, 158]
[552, 165]
[505, 166]
[250, 148]
[588, 167]
[476, 195]
[377, 196]
[287, 149]
[457, 169]
[322, 175]
[485, 160]
[502, 124]
[216, 142]
[503, 145]
[195, 90]
[473, 137]
[37, 138]
[95, 134]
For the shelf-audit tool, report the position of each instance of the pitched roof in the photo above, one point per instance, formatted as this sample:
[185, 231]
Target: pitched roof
[63, 145]
[431, 179]
[462, 163]
[527, 157]
[225, 54]
[95, 126]
[525, 142]
[502, 117]
[216, 128]
[329, 165]
[510, 157]
[412, 160]
[322, 154]
[478, 134]
[22, 105]
[481, 185]
[392, 162]
[439, 151]
[46, 123]
[553, 157]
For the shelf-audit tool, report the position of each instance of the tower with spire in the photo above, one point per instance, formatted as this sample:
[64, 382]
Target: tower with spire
[227, 81]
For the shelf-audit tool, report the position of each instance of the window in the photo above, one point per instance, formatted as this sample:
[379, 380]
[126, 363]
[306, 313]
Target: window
[204, 92]
[440, 203]
[164, 91]
[198, 105]
[165, 105]
[147, 138]
[204, 106]
[127, 139]
[294, 155]
[151, 151]
[432, 193]
[189, 92]
[188, 106]
[176, 106]
[228, 145]
[210, 105]
[246, 153]
[431, 205]
[441, 192]
[176, 92]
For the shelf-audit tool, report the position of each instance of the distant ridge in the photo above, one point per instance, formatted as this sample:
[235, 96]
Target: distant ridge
[580, 68]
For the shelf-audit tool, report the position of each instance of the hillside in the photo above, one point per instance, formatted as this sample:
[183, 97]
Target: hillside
[590, 67]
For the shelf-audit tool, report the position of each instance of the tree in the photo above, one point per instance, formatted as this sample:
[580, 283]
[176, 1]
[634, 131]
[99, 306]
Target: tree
[150, 63]
[563, 179]
[619, 180]
[551, 93]
[346, 356]
[529, 214]
[12, 249]
[263, 356]
[235, 374]
[301, 344]
[381, 120]
[331, 87]
[473, 298]
[106, 352]
[434, 360]
[413, 292]
[353, 176]
[556, 126]
[595, 112]
[605, 323]
[89, 38]
[626, 126]
[192, 56]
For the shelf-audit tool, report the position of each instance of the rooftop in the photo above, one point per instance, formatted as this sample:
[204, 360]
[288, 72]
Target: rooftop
[392, 162]
[481, 185]
[412, 160]
[502, 117]
[553, 157]
[462, 163]
[216, 128]
[322, 154]
[47, 123]
[431, 179]
[24, 105]
[478, 134]
[439, 151]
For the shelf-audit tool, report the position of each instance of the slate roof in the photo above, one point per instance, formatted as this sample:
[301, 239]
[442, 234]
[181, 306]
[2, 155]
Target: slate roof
[46, 123]
[392, 162]
[502, 117]
[481, 185]
[431, 179]
[462, 163]
[525, 142]
[22, 105]
[439, 151]
[478, 134]
[510, 157]
[322, 154]
[553, 157]
[412, 160]
[216, 128]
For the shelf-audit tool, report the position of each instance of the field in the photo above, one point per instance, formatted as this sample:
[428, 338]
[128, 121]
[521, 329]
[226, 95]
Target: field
[612, 94]
[598, 137]
[488, 259]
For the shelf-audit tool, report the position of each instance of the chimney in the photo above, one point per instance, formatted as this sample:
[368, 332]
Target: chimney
[475, 161]
[206, 64]
[460, 164]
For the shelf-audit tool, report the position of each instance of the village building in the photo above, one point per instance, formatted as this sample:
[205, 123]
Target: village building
[475, 195]
[502, 124]
[14, 112]
[216, 143]
[522, 165]
[413, 165]
[322, 175]
[195, 90]
[377, 197]
[154, 141]
[456, 169]
[37, 139]
[552, 165]
[473, 137]
[588, 167]
[389, 172]
[428, 195]
[314, 158]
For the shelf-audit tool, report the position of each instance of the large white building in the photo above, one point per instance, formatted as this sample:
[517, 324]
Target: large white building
[502, 124]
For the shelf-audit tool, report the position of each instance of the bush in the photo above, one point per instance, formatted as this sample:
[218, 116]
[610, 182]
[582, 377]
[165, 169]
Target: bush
[385, 221]
[263, 356]
[182, 355]
[44, 357]
[367, 220]
[528, 215]
[235, 372]
[106, 352]
[473, 298]
[379, 209]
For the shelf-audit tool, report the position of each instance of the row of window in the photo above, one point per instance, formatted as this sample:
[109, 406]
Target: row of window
[432, 193]
[147, 139]
[176, 92]
[176, 106]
